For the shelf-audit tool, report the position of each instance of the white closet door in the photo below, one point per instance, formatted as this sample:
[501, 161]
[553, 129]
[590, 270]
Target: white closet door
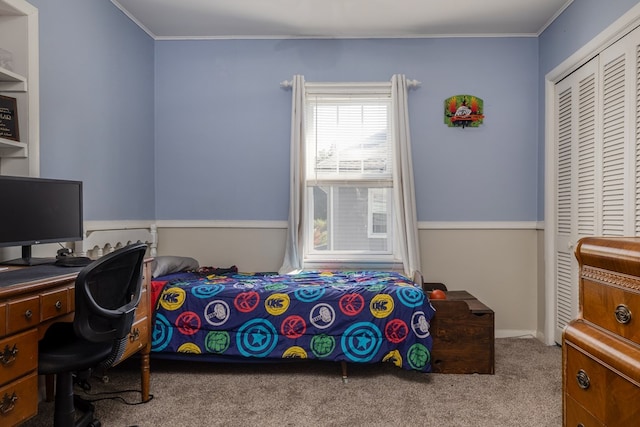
[635, 150]
[597, 161]
[616, 69]
[576, 181]
[634, 128]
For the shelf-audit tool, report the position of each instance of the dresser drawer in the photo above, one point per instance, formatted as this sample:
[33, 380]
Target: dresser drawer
[23, 314]
[609, 396]
[577, 416]
[19, 400]
[18, 355]
[616, 309]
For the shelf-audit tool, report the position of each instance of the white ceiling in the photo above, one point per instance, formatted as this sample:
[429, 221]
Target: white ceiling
[177, 19]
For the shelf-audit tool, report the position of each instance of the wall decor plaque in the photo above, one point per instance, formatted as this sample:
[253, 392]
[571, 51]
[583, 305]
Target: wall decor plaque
[463, 111]
[9, 118]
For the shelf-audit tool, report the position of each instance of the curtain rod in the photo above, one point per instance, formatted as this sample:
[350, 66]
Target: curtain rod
[411, 84]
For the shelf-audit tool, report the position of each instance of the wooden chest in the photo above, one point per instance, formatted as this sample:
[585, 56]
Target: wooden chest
[463, 335]
[601, 348]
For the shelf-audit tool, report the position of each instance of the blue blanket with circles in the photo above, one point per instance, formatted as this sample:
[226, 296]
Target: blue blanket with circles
[359, 317]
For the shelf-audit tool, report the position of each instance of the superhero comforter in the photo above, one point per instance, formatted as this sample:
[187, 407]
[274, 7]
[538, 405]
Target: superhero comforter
[361, 317]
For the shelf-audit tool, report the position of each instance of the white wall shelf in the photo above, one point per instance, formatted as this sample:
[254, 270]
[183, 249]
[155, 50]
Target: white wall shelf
[19, 79]
[15, 149]
[12, 82]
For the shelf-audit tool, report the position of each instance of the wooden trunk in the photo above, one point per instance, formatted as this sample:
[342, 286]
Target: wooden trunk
[463, 335]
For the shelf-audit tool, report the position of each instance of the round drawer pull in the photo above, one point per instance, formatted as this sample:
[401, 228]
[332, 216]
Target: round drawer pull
[28, 314]
[58, 305]
[623, 314]
[583, 379]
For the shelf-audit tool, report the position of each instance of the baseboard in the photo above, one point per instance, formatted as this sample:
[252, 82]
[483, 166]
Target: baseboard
[515, 333]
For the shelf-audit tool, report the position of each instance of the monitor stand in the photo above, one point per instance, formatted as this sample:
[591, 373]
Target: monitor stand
[27, 259]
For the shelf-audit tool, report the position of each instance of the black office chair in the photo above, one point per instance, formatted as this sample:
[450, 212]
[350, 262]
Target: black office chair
[107, 292]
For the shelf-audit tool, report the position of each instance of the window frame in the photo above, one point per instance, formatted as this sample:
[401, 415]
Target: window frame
[313, 258]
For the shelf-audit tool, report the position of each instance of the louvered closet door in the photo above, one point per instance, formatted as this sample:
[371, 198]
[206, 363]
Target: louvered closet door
[576, 180]
[633, 124]
[597, 161]
[618, 94]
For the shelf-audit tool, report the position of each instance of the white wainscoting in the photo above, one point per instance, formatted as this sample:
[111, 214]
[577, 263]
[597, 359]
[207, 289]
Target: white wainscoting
[501, 263]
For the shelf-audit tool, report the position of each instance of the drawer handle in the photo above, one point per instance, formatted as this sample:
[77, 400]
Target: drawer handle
[58, 305]
[583, 380]
[8, 403]
[8, 354]
[623, 314]
[134, 335]
[28, 314]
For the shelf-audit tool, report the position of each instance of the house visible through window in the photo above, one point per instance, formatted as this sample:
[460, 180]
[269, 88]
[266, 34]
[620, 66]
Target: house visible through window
[379, 212]
[349, 151]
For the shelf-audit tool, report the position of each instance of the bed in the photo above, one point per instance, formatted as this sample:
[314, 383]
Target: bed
[347, 317]
[222, 315]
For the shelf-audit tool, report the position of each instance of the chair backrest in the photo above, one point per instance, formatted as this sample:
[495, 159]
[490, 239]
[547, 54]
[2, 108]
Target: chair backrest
[107, 293]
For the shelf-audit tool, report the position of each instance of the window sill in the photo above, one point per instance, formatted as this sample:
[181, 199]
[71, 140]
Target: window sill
[353, 265]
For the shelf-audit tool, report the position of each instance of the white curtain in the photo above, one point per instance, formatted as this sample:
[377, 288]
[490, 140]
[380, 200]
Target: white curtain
[293, 251]
[404, 194]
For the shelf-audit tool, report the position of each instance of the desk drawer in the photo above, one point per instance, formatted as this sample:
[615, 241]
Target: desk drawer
[3, 320]
[18, 355]
[54, 303]
[143, 306]
[23, 314]
[19, 400]
[138, 337]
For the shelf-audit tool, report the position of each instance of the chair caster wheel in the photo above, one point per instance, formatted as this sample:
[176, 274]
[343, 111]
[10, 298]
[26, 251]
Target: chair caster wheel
[95, 423]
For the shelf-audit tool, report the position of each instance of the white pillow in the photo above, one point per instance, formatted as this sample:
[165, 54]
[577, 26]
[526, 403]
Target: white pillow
[163, 265]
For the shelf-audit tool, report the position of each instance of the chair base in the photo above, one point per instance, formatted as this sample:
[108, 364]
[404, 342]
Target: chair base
[66, 404]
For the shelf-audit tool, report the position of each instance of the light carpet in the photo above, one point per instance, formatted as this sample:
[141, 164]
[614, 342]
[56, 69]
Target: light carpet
[525, 391]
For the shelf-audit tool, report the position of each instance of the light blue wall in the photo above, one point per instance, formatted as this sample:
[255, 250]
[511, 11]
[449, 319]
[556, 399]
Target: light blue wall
[223, 123]
[200, 129]
[96, 106]
[576, 26]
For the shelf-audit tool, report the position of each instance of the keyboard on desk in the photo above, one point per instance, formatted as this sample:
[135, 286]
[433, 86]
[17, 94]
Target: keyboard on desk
[36, 272]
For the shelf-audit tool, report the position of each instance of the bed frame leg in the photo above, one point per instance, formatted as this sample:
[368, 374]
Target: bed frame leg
[344, 372]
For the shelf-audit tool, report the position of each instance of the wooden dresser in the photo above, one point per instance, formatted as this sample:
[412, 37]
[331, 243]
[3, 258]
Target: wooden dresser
[601, 348]
[26, 311]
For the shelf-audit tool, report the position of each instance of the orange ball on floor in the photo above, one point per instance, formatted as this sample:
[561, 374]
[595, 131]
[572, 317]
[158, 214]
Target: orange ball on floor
[437, 294]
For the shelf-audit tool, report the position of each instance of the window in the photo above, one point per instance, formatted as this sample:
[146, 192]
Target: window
[379, 212]
[350, 149]
[349, 177]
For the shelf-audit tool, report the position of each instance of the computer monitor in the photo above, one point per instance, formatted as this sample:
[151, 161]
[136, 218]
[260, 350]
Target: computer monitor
[38, 210]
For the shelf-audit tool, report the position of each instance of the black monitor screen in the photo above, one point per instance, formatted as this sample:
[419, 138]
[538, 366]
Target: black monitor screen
[37, 210]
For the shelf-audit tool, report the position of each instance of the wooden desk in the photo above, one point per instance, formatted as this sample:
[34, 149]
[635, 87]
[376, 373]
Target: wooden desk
[26, 312]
